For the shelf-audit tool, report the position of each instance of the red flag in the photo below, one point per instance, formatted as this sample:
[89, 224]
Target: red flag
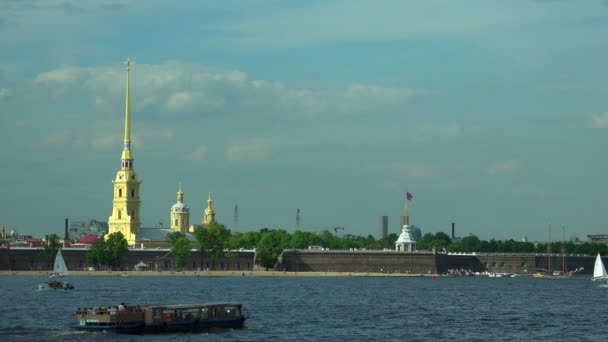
[408, 196]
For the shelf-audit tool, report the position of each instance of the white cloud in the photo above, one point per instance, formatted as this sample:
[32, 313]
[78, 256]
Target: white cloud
[199, 153]
[62, 76]
[4, 92]
[58, 138]
[252, 150]
[177, 87]
[503, 167]
[600, 120]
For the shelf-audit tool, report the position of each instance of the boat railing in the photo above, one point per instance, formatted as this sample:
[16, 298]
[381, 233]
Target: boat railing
[110, 315]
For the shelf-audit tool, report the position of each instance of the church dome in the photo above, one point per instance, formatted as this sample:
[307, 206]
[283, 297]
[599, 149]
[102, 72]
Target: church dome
[179, 207]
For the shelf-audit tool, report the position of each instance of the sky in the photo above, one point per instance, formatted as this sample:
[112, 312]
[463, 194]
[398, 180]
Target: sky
[493, 114]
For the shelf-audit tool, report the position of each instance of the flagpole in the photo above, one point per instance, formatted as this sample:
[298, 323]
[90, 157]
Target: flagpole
[407, 217]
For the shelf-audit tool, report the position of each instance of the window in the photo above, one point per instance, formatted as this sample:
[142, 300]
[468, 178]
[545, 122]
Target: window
[119, 192]
[176, 222]
[119, 215]
[132, 214]
[132, 192]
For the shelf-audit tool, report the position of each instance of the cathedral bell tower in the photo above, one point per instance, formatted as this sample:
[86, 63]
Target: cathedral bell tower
[180, 213]
[209, 215]
[126, 215]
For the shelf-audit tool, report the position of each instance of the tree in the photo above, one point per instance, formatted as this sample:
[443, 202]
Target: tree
[269, 248]
[51, 247]
[212, 240]
[246, 240]
[117, 247]
[300, 239]
[97, 254]
[438, 241]
[180, 247]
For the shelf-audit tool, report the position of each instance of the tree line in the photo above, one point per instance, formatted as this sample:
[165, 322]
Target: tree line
[215, 241]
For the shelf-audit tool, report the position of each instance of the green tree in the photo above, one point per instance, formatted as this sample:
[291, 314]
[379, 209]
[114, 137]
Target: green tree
[269, 248]
[212, 240]
[180, 247]
[116, 247]
[301, 240]
[247, 240]
[51, 247]
[97, 254]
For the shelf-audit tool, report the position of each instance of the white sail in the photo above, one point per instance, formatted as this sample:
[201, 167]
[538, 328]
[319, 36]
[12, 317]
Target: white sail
[599, 271]
[60, 268]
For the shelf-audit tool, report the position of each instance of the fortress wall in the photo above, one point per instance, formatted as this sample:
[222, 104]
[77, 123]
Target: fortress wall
[34, 259]
[317, 261]
[360, 261]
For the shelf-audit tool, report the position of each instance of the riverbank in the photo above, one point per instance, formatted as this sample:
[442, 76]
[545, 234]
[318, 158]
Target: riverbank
[215, 274]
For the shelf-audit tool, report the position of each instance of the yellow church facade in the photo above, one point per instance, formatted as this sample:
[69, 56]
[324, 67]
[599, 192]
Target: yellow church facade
[125, 217]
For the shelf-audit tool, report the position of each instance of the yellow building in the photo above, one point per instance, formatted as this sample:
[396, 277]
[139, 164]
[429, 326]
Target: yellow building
[209, 215]
[126, 213]
[180, 213]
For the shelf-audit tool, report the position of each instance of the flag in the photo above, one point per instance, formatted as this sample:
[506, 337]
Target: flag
[408, 196]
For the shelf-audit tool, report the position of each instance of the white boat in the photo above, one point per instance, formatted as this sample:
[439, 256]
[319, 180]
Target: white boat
[59, 267]
[55, 285]
[599, 271]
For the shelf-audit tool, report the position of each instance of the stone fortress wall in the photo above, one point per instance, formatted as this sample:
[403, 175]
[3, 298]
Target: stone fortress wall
[419, 262]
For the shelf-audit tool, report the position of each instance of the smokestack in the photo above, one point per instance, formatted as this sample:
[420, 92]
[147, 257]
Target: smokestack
[66, 235]
[453, 230]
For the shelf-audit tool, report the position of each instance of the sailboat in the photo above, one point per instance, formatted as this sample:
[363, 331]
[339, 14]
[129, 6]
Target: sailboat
[563, 274]
[59, 269]
[599, 271]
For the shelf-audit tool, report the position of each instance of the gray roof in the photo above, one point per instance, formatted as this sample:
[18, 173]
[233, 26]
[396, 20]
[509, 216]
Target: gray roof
[158, 234]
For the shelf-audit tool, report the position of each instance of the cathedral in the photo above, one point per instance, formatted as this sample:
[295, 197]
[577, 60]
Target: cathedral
[126, 203]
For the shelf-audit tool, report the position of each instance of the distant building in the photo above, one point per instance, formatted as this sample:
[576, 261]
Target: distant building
[78, 229]
[416, 233]
[598, 238]
[383, 227]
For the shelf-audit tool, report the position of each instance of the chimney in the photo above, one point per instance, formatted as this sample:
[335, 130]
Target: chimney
[453, 231]
[66, 235]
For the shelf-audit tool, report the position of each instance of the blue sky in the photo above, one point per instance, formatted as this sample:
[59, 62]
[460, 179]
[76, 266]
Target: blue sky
[493, 114]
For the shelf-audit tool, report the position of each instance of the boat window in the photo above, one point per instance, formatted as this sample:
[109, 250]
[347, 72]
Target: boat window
[204, 313]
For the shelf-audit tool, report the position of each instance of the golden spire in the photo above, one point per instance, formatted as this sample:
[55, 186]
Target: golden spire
[180, 193]
[126, 153]
[209, 215]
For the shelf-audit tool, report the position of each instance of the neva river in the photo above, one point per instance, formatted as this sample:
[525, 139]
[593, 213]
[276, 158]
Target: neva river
[327, 308]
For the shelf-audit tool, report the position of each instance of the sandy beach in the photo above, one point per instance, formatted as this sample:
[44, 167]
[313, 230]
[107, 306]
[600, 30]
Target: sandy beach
[215, 274]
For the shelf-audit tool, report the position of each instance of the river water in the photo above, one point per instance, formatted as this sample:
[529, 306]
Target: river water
[326, 308]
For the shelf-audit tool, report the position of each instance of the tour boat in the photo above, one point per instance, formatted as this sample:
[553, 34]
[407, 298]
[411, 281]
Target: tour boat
[136, 319]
